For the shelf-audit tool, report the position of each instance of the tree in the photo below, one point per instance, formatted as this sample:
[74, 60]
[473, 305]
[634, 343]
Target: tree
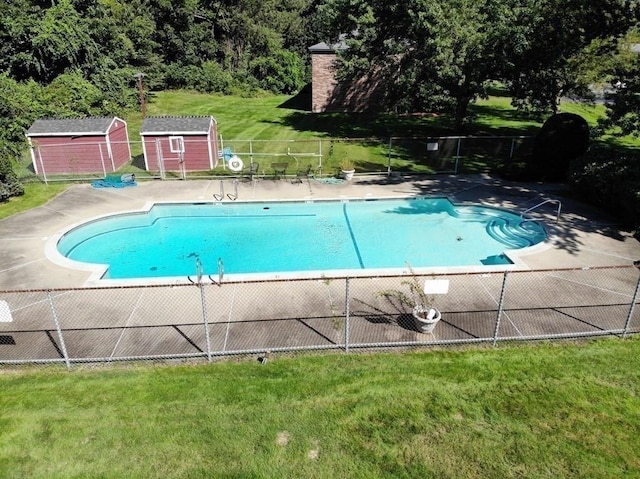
[61, 41]
[123, 30]
[9, 184]
[623, 104]
[282, 72]
[18, 22]
[555, 39]
[431, 55]
[19, 105]
[438, 54]
[70, 95]
[563, 138]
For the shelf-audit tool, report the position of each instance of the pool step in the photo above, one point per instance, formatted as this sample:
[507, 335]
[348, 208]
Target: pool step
[513, 235]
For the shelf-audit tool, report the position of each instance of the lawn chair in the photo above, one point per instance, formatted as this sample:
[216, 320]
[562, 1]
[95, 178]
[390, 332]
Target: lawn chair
[251, 171]
[303, 174]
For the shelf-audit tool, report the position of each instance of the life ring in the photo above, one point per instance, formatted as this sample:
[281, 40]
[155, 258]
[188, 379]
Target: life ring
[235, 163]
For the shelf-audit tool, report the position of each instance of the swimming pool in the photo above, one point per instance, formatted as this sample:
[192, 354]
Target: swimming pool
[284, 237]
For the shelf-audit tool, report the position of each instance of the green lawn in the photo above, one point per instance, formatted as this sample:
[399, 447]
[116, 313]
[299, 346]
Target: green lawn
[543, 411]
[35, 194]
[270, 118]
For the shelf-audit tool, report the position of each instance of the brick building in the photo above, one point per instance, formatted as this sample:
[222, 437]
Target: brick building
[329, 94]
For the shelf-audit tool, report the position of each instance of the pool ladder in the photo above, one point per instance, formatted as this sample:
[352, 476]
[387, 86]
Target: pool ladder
[220, 196]
[523, 214]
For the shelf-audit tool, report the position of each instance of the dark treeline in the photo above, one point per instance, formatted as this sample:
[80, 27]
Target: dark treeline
[209, 45]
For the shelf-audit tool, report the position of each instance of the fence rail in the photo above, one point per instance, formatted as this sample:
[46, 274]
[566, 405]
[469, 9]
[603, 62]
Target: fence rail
[208, 321]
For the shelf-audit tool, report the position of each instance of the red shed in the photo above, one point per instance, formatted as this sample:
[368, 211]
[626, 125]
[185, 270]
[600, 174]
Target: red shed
[80, 145]
[180, 143]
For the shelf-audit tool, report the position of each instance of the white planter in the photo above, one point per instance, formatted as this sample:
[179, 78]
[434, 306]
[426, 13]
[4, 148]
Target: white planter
[426, 320]
[348, 174]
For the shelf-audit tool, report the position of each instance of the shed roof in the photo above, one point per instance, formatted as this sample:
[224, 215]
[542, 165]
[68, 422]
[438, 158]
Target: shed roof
[71, 126]
[176, 124]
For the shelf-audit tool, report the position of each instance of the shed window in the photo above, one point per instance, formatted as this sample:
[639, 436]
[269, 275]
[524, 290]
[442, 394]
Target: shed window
[176, 144]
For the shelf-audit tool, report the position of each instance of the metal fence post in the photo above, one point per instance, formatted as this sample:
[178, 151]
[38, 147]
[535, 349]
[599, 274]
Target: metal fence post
[633, 304]
[500, 307]
[389, 156]
[513, 146]
[206, 320]
[44, 172]
[63, 347]
[203, 302]
[104, 168]
[159, 158]
[346, 316]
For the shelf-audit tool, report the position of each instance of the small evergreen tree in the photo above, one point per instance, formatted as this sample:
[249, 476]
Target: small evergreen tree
[9, 184]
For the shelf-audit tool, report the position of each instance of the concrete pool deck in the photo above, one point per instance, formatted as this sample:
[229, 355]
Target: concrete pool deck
[583, 237]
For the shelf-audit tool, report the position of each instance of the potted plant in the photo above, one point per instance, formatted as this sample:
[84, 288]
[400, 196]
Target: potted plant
[347, 168]
[425, 316]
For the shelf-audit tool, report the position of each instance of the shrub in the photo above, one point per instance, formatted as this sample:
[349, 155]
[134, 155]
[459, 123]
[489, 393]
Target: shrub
[9, 184]
[284, 72]
[563, 138]
[611, 181]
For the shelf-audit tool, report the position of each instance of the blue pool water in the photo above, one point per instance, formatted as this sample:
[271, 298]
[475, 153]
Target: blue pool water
[298, 236]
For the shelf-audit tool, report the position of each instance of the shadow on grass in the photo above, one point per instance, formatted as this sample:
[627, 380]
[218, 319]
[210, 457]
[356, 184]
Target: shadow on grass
[366, 125]
[301, 101]
[501, 121]
[138, 161]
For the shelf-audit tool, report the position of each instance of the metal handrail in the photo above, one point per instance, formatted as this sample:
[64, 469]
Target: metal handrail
[540, 204]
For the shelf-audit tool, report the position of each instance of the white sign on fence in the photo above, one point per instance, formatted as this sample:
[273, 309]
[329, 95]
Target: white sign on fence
[436, 286]
[5, 312]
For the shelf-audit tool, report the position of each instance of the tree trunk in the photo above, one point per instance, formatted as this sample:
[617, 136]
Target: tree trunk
[462, 104]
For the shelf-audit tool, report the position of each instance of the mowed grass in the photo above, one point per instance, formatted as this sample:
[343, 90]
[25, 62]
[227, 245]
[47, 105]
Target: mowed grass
[259, 118]
[35, 194]
[544, 411]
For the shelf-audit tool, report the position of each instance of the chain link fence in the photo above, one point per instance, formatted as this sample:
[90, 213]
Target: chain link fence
[459, 154]
[211, 321]
[88, 161]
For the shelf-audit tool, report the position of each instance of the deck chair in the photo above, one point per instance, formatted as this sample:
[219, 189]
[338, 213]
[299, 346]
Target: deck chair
[251, 171]
[303, 173]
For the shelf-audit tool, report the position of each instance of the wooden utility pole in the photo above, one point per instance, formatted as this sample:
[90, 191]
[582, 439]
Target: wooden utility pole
[143, 107]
